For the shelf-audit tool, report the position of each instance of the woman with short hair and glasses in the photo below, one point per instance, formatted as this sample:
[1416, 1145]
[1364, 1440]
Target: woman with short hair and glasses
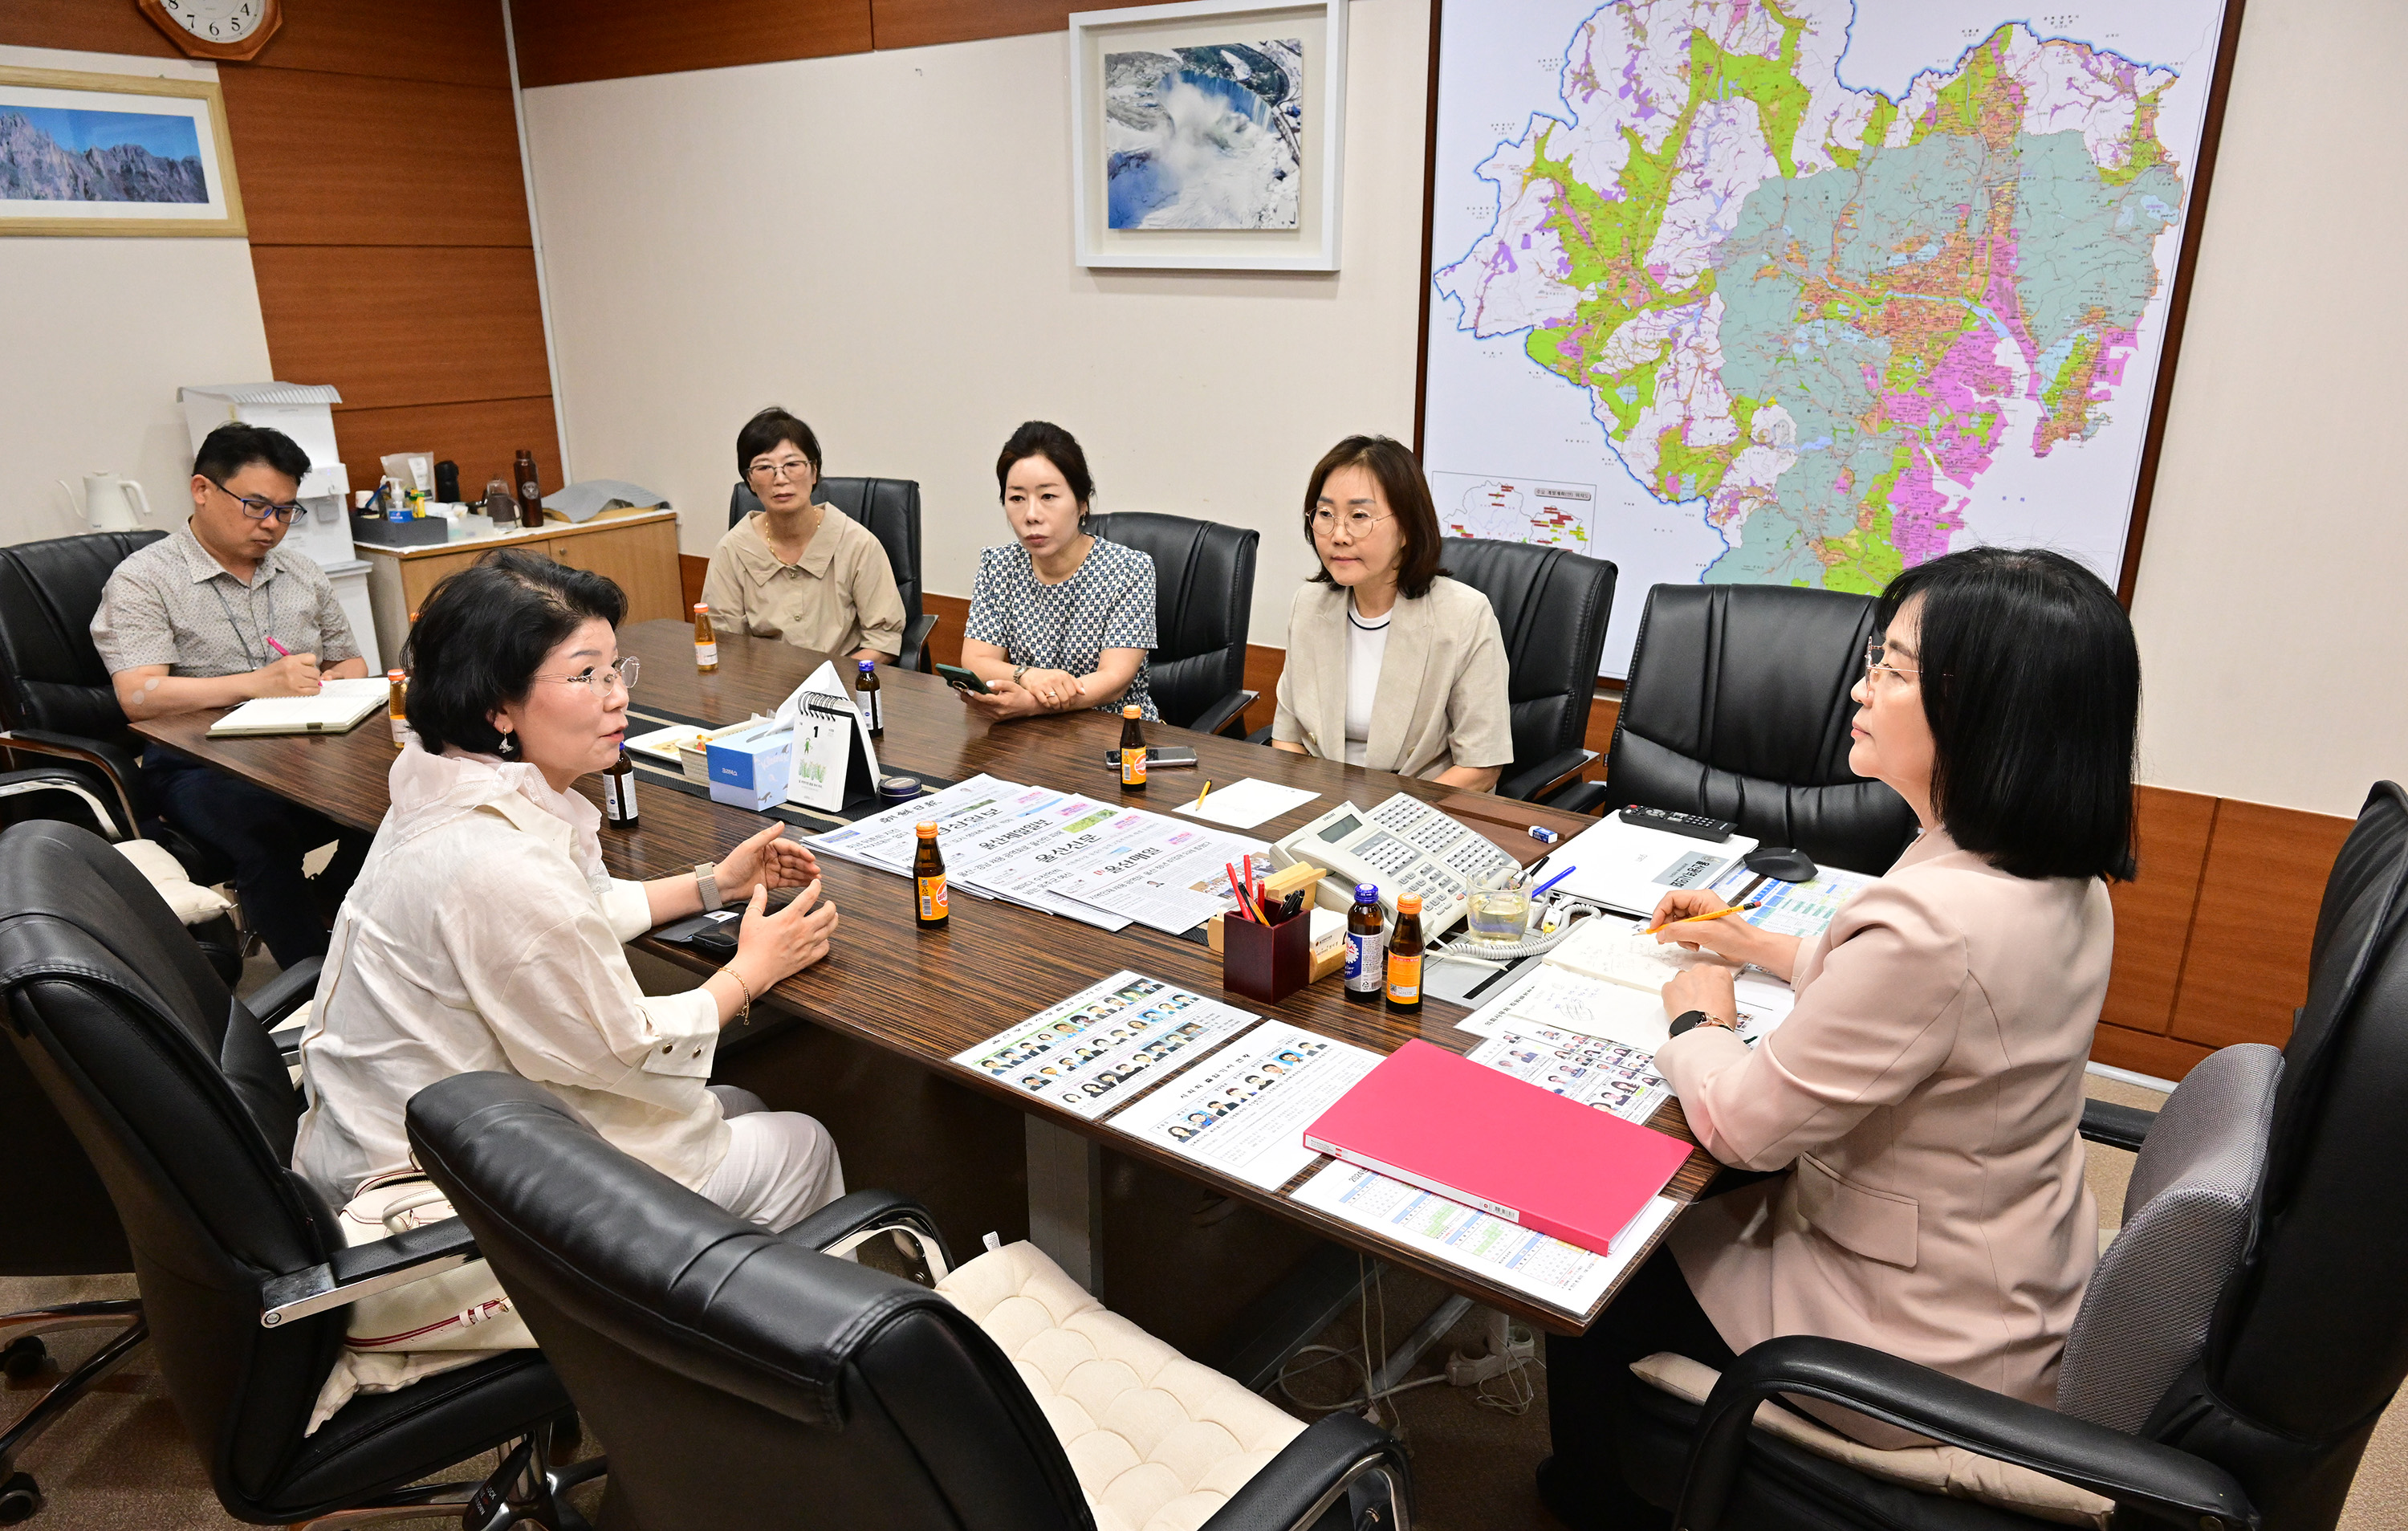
[798, 568]
[1923, 1100]
[483, 932]
[1390, 664]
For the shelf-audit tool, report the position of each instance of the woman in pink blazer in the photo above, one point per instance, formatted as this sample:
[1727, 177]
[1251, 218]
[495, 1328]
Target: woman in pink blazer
[1925, 1095]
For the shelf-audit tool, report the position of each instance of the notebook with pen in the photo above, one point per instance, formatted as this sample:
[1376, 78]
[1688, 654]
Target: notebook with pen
[338, 707]
[1473, 1134]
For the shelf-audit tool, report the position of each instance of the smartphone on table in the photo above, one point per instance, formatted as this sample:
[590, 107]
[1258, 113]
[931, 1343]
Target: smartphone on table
[1159, 757]
[963, 680]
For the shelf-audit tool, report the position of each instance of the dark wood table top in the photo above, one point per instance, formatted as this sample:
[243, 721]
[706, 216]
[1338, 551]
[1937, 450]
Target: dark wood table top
[930, 995]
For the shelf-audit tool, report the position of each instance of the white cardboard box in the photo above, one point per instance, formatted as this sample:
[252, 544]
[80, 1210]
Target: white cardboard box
[751, 770]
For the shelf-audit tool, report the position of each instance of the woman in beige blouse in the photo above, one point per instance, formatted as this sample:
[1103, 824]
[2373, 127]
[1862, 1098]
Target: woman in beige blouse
[796, 569]
[1924, 1098]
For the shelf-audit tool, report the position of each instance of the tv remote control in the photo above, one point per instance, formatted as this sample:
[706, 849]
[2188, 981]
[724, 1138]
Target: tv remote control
[1692, 825]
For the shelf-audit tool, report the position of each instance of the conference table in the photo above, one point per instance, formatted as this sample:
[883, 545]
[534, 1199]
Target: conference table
[924, 996]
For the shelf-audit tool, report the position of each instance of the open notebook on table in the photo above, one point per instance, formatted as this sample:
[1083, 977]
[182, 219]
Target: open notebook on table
[337, 708]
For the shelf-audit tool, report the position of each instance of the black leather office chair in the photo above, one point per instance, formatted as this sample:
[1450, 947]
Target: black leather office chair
[2246, 1328]
[1203, 602]
[890, 508]
[1552, 607]
[173, 1089]
[1738, 708]
[741, 1378]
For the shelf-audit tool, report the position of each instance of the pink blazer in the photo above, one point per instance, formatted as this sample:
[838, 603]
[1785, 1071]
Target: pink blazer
[1926, 1094]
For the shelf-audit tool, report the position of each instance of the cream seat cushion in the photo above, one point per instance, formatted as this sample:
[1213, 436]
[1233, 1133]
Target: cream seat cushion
[1158, 1442]
[192, 904]
[1951, 1471]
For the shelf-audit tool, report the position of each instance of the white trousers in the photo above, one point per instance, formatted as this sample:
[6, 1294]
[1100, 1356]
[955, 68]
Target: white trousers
[781, 1167]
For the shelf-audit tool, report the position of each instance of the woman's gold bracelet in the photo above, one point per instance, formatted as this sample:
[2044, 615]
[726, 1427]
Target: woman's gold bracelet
[744, 1011]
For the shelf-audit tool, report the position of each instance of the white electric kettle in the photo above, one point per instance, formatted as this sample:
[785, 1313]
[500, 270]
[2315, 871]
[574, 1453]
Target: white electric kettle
[110, 502]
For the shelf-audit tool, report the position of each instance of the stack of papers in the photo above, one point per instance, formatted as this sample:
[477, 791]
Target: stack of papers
[1244, 1112]
[1105, 1043]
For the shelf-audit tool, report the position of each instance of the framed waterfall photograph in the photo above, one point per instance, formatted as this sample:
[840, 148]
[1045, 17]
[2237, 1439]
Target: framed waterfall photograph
[90, 154]
[1208, 136]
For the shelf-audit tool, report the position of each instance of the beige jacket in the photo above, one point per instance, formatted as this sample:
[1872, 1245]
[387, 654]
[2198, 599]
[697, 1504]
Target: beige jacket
[1927, 1090]
[1443, 687]
[838, 597]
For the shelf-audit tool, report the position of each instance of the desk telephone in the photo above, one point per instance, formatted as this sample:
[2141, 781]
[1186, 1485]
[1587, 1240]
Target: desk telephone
[1404, 846]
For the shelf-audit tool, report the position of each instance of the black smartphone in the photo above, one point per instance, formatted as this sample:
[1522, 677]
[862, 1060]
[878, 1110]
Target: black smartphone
[1166, 756]
[963, 680]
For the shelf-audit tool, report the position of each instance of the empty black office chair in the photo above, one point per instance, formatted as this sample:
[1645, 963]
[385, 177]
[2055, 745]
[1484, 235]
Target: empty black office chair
[174, 1092]
[2246, 1328]
[1203, 602]
[890, 508]
[741, 1378]
[1552, 607]
[1738, 708]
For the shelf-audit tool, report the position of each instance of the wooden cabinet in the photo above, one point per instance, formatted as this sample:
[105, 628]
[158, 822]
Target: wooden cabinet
[639, 553]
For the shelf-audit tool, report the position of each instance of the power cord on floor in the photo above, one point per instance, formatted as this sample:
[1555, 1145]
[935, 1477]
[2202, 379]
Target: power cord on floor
[1361, 1358]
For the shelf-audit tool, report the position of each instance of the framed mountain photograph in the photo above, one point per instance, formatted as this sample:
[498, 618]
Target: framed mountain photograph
[101, 154]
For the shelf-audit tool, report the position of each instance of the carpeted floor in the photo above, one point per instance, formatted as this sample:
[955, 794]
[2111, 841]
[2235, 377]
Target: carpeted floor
[121, 1460]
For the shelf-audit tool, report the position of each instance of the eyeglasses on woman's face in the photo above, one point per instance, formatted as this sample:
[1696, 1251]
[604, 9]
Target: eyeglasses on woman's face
[791, 469]
[1880, 667]
[256, 507]
[602, 679]
[1326, 522]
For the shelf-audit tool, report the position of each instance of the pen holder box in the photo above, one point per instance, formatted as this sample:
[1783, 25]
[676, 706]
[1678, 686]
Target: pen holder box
[1328, 940]
[1266, 963]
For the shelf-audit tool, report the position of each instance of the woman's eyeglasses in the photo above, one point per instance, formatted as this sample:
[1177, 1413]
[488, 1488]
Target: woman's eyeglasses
[1357, 523]
[771, 472]
[603, 677]
[257, 508]
[1878, 667]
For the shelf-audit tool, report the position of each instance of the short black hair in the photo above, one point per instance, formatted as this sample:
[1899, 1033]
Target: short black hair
[2031, 683]
[234, 446]
[482, 635]
[1046, 439]
[771, 427]
[1398, 474]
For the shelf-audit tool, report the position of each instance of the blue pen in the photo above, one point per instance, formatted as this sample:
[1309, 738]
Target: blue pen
[1552, 881]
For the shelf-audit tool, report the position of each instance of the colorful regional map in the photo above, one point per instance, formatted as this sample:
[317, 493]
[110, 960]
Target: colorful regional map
[1803, 292]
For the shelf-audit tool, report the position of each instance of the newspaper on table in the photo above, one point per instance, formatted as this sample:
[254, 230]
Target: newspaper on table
[1105, 1043]
[1172, 881]
[1244, 1111]
[895, 826]
[1597, 1072]
[1562, 1276]
[1020, 877]
[996, 847]
[1798, 909]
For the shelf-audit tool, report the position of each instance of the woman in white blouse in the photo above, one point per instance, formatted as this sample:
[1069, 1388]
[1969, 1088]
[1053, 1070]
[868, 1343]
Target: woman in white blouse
[1390, 664]
[483, 932]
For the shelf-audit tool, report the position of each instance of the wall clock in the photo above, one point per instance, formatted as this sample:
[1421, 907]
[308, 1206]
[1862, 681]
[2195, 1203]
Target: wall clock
[216, 29]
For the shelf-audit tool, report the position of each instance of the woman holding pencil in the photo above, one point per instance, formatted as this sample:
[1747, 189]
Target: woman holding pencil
[1923, 1097]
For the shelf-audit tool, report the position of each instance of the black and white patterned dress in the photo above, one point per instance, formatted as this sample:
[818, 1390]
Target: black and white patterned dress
[1108, 603]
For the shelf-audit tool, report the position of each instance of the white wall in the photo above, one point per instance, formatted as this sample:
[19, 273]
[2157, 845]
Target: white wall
[882, 242]
[2275, 573]
[98, 334]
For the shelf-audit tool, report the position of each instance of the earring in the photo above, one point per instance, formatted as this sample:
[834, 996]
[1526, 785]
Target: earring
[504, 748]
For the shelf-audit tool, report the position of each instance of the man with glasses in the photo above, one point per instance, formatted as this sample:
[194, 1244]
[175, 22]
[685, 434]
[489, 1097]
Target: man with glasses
[216, 614]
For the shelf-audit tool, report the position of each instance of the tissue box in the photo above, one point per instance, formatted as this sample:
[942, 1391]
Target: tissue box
[749, 770]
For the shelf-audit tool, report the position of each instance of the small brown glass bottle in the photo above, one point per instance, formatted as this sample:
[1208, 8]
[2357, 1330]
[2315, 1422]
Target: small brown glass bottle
[396, 706]
[1132, 748]
[705, 640]
[1366, 946]
[619, 793]
[873, 712]
[1405, 957]
[530, 495]
[928, 881]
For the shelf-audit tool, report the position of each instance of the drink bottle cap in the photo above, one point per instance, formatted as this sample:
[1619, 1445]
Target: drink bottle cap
[1367, 893]
[928, 831]
[392, 674]
[867, 665]
[700, 606]
[1132, 710]
[1409, 904]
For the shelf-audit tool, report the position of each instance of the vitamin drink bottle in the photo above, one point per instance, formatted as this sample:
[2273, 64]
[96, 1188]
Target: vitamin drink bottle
[1366, 946]
[873, 714]
[1132, 748]
[396, 704]
[1405, 957]
[619, 793]
[705, 640]
[928, 881]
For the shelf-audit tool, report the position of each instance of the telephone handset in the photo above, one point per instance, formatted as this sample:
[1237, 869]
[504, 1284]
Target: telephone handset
[1404, 846]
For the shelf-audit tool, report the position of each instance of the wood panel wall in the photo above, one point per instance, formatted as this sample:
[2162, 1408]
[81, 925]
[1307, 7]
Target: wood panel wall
[379, 160]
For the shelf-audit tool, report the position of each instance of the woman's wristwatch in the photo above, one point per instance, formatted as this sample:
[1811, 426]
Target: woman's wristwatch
[1018, 671]
[1689, 1020]
[706, 882]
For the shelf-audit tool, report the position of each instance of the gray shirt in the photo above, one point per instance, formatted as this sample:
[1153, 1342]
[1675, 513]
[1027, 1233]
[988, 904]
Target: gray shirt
[1108, 603]
[172, 604]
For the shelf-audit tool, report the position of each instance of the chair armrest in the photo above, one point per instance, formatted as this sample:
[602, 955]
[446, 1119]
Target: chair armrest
[1260, 736]
[1312, 1472]
[1576, 796]
[279, 996]
[2118, 1126]
[365, 1270]
[2158, 1481]
[1221, 714]
[114, 762]
[1531, 782]
[19, 784]
[850, 1221]
[915, 644]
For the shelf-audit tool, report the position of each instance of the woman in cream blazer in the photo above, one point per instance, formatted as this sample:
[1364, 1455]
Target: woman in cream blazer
[1925, 1095]
[1390, 664]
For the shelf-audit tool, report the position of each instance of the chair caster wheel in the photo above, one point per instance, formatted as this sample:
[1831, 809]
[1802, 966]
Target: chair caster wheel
[19, 1497]
[24, 1358]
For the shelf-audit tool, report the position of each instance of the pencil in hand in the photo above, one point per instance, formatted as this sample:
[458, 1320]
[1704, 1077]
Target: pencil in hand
[1716, 913]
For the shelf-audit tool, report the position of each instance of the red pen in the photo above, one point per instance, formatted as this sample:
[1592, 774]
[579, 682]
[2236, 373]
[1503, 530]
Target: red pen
[1236, 889]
